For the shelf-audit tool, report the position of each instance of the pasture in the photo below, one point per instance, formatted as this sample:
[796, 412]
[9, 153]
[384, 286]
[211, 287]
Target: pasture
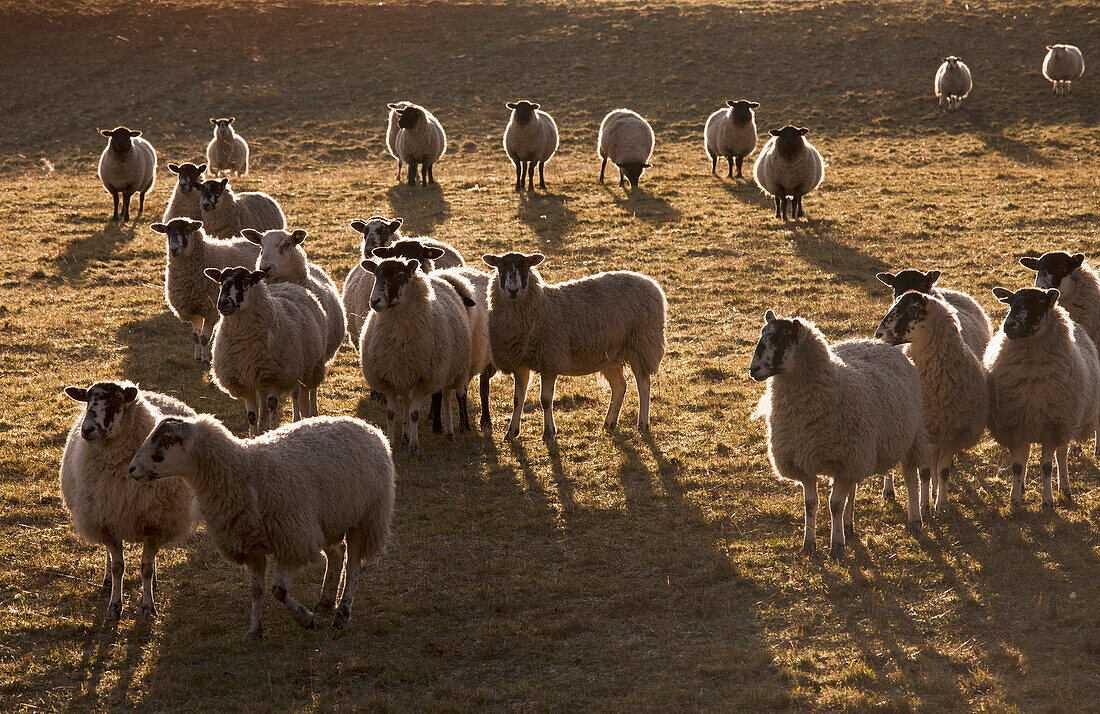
[624, 572]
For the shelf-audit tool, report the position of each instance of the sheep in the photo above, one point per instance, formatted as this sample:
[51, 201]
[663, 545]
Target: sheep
[128, 165]
[530, 138]
[391, 133]
[953, 384]
[284, 260]
[420, 140]
[316, 485]
[227, 152]
[190, 296]
[1077, 283]
[627, 140]
[416, 341]
[225, 214]
[788, 165]
[108, 508]
[1062, 65]
[845, 411]
[953, 82]
[378, 232]
[731, 133]
[976, 328]
[271, 341]
[595, 324]
[187, 195]
[1044, 386]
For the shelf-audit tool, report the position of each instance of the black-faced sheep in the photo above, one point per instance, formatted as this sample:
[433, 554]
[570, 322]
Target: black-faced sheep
[127, 166]
[227, 152]
[730, 133]
[626, 139]
[420, 141]
[953, 82]
[1062, 65]
[788, 165]
[530, 139]
[225, 214]
[186, 201]
[976, 328]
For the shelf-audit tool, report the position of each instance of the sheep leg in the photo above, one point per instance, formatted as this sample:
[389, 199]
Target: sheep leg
[126, 194]
[1063, 472]
[713, 164]
[542, 177]
[1047, 468]
[519, 174]
[778, 204]
[196, 331]
[250, 412]
[273, 410]
[1019, 471]
[615, 378]
[263, 417]
[888, 487]
[296, 404]
[280, 588]
[483, 388]
[530, 175]
[925, 475]
[431, 173]
[412, 418]
[740, 162]
[107, 571]
[114, 608]
[141, 203]
[412, 174]
[356, 547]
[435, 413]
[643, 381]
[942, 463]
[258, 566]
[909, 474]
[448, 413]
[796, 206]
[522, 379]
[313, 411]
[463, 409]
[148, 574]
[837, 498]
[399, 171]
[114, 195]
[809, 490]
[334, 563]
[392, 405]
[602, 167]
[850, 514]
[546, 398]
[207, 337]
[622, 179]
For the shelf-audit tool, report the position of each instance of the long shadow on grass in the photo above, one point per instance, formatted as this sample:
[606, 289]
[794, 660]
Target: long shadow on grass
[422, 207]
[995, 139]
[100, 244]
[643, 205]
[747, 192]
[815, 240]
[547, 215]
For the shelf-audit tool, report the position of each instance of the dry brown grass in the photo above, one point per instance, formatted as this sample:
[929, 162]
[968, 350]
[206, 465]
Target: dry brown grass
[607, 573]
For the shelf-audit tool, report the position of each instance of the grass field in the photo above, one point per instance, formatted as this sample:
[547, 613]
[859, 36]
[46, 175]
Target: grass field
[613, 573]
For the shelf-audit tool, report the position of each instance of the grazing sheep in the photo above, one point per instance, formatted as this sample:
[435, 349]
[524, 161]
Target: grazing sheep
[976, 329]
[225, 214]
[420, 140]
[845, 411]
[316, 485]
[595, 324]
[530, 138]
[391, 133]
[416, 342]
[284, 260]
[788, 165]
[731, 133]
[271, 342]
[107, 507]
[128, 165]
[627, 140]
[187, 195]
[1062, 65]
[1044, 386]
[227, 152]
[190, 296]
[953, 385]
[953, 82]
[379, 232]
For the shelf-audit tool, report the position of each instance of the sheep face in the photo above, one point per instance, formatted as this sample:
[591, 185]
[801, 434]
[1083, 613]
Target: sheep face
[952, 62]
[121, 138]
[522, 111]
[409, 117]
[165, 452]
[180, 233]
[190, 176]
[1026, 310]
[277, 249]
[411, 249]
[377, 232]
[222, 128]
[778, 338]
[789, 141]
[105, 403]
[741, 110]
[1053, 268]
[391, 277]
[212, 193]
[513, 271]
[906, 317]
[633, 171]
[908, 280]
[236, 283]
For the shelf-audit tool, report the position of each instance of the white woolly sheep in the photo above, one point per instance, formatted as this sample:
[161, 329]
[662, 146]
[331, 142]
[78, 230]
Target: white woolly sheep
[976, 328]
[225, 214]
[127, 166]
[284, 260]
[186, 199]
[227, 152]
[309, 487]
[953, 82]
[420, 141]
[626, 139]
[1044, 386]
[788, 165]
[846, 412]
[595, 324]
[391, 133]
[107, 507]
[378, 232]
[953, 384]
[190, 296]
[270, 342]
[730, 133]
[416, 342]
[1062, 65]
[530, 139]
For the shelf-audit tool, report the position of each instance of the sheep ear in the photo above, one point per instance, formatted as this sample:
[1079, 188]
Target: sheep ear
[174, 168]
[1052, 296]
[105, 132]
[135, 132]
[1050, 47]
[803, 131]
[800, 328]
[257, 276]
[774, 132]
[77, 394]
[391, 105]
[368, 265]
[535, 105]
[1078, 259]
[214, 274]
[1030, 263]
[467, 300]
[383, 251]
[232, 119]
[158, 228]
[730, 102]
[490, 259]
[396, 223]
[647, 166]
[932, 276]
[202, 167]
[534, 259]
[769, 317]
[413, 265]
[252, 235]
[886, 279]
[511, 105]
[213, 121]
[224, 182]
[434, 253]
[358, 225]
[1003, 294]
[129, 394]
[194, 226]
[754, 105]
[299, 235]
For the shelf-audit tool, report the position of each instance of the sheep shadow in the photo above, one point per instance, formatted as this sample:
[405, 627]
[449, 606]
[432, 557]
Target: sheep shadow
[645, 206]
[422, 207]
[547, 215]
[74, 257]
[995, 139]
[814, 240]
[746, 191]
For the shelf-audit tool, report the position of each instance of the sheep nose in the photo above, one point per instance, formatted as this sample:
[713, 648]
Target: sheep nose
[133, 470]
[880, 335]
[376, 303]
[87, 432]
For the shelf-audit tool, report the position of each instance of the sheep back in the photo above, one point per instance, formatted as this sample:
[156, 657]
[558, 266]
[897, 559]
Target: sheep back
[425, 143]
[136, 170]
[724, 137]
[1063, 66]
[625, 137]
[976, 328]
[537, 140]
[779, 176]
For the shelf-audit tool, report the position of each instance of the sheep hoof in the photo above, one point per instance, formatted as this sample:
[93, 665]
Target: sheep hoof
[548, 434]
[1048, 508]
[1067, 496]
[609, 426]
[306, 622]
[808, 548]
[511, 435]
[849, 531]
[486, 423]
[888, 494]
[643, 428]
[451, 436]
[107, 585]
[324, 607]
[1017, 508]
[914, 528]
[149, 612]
[414, 451]
[255, 634]
[836, 551]
[114, 611]
[341, 620]
[926, 512]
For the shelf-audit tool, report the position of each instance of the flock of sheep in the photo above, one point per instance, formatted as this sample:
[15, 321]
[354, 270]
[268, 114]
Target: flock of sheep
[269, 323]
